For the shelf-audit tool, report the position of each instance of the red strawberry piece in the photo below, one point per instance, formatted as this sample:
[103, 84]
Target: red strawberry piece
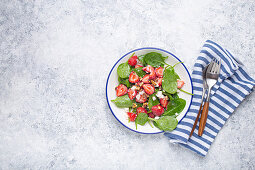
[137, 66]
[132, 116]
[141, 97]
[148, 88]
[121, 90]
[132, 94]
[146, 79]
[157, 110]
[150, 69]
[133, 77]
[163, 102]
[153, 75]
[151, 115]
[180, 83]
[133, 60]
[141, 110]
[158, 81]
[159, 71]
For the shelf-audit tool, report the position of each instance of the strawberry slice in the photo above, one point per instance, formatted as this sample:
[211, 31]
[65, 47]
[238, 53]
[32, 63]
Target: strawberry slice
[141, 97]
[158, 81]
[146, 79]
[137, 66]
[163, 102]
[121, 90]
[133, 60]
[153, 75]
[159, 71]
[148, 88]
[133, 77]
[141, 110]
[132, 94]
[132, 116]
[180, 83]
[150, 69]
[151, 115]
[157, 110]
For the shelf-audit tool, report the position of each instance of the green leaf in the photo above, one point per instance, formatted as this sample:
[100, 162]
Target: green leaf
[139, 71]
[169, 82]
[165, 123]
[154, 59]
[176, 75]
[123, 70]
[124, 81]
[175, 96]
[141, 119]
[175, 106]
[123, 101]
[155, 124]
[166, 57]
[140, 58]
[152, 102]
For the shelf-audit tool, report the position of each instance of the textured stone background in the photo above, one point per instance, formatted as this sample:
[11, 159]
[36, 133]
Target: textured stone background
[54, 60]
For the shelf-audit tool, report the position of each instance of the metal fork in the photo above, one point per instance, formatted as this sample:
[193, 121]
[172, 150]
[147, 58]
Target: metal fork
[212, 75]
[205, 87]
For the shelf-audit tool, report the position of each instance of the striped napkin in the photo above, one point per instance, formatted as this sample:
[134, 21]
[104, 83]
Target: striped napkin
[233, 86]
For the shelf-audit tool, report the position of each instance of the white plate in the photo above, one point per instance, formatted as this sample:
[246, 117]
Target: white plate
[112, 81]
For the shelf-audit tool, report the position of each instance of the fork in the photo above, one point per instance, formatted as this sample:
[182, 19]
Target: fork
[212, 75]
[205, 87]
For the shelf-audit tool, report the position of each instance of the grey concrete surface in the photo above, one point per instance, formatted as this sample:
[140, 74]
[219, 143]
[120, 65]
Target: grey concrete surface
[54, 60]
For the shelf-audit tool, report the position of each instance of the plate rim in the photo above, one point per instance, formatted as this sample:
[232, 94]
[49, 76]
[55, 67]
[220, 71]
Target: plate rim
[144, 48]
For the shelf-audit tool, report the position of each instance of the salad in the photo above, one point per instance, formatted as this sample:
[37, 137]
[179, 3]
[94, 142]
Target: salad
[148, 89]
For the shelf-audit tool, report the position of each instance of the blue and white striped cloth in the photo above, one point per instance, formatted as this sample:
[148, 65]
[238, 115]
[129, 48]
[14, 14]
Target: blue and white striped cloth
[233, 86]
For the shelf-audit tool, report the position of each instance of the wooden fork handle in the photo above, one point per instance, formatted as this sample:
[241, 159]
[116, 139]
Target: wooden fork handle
[203, 119]
[195, 124]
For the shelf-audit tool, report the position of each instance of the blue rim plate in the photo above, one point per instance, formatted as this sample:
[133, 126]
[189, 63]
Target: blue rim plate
[136, 50]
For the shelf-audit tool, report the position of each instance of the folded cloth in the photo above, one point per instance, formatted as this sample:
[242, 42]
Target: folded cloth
[233, 85]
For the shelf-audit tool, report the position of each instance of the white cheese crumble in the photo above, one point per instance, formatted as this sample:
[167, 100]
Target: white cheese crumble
[156, 117]
[160, 95]
[153, 98]
[133, 88]
[138, 96]
[176, 114]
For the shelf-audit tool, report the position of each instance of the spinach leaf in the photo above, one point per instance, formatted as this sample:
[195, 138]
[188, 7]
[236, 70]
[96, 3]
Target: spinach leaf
[139, 71]
[175, 106]
[169, 82]
[123, 101]
[123, 70]
[175, 96]
[141, 119]
[165, 123]
[166, 57]
[176, 75]
[124, 81]
[154, 59]
[141, 58]
[155, 124]
[152, 102]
